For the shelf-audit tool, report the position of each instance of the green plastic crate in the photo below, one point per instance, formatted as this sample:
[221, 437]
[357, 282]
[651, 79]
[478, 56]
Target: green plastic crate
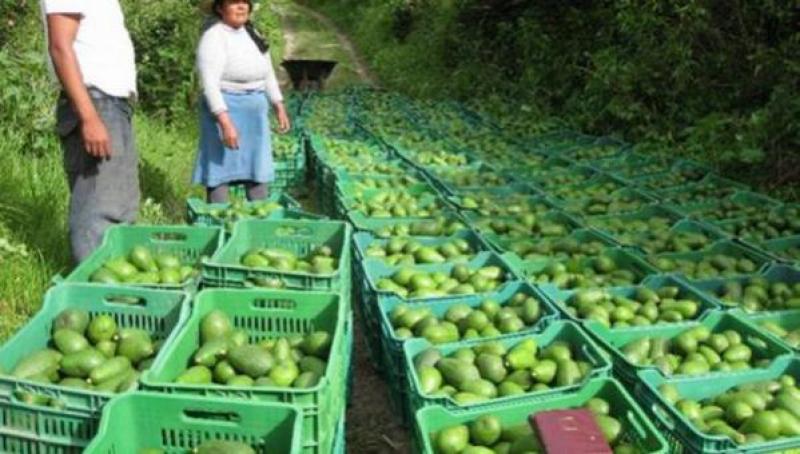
[506, 244]
[410, 155]
[624, 258]
[557, 141]
[575, 175]
[620, 224]
[741, 199]
[773, 273]
[190, 244]
[438, 176]
[633, 165]
[565, 331]
[199, 212]
[788, 320]
[375, 270]
[636, 198]
[547, 166]
[517, 158]
[681, 435]
[380, 227]
[393, 361]
[349, 351]
[514, 198]
[264, 314]
[285, 177]
[348, 194]
[540, 175]
[601, 148]
[340, 444]
[27, 429]
[485, 224]
[328, 188]
[726, 247]
[428, 199]
[298, 215]
[787, 250]
[685, 226]
[712, 187]
[559, 298]
[298, 236]
[740, 228]
[181, 423]
[587, 188]
[637, 427]
[682, 173]
[763, 346]
[363, 240]
[288, 173]
[161, 313]
[354, 185]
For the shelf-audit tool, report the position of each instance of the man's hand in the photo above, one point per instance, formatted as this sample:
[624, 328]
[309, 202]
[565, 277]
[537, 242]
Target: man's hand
[284, 125]
[95, 138]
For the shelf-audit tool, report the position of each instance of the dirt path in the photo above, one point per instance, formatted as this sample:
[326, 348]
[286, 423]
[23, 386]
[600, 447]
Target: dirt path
[372, 425]
[345, 43]
[310, 35]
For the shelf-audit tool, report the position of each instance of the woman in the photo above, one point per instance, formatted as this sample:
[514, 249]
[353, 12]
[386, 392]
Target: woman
[238, 85]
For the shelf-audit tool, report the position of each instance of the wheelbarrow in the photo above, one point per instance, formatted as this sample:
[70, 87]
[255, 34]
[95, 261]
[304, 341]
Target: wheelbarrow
[309, 74]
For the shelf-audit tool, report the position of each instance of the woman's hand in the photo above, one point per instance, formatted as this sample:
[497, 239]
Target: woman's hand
[230, 136]
[284, 124]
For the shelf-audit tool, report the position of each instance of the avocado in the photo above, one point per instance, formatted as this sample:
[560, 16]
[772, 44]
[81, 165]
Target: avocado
[68, 341]
[251, 360]
[73, 319]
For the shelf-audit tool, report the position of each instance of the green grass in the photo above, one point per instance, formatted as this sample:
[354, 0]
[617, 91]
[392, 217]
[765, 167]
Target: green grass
[167, 156]
[33, 226]
[34, 244]
[33, 232]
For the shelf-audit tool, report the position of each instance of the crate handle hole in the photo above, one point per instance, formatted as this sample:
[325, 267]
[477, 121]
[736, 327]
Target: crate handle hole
[295, 231]
[208, 415]
[273, 303]
[169, 237]
[125, 300]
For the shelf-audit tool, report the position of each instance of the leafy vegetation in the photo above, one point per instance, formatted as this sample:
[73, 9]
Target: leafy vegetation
[33, 231]
[713, 80]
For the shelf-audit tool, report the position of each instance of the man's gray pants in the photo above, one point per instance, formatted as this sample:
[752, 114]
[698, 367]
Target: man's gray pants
[103, 192]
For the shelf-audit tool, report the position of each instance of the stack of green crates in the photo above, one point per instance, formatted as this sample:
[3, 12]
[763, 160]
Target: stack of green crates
[45, 417]
[172, 423]
[265, 314]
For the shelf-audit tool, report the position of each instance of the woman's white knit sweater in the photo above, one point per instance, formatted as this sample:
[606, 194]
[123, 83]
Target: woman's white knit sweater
[228, 59]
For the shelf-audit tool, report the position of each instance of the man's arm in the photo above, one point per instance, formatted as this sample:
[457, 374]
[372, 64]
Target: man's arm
[62, 30]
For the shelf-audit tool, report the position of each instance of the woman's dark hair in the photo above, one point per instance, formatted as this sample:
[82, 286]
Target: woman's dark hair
[261, 43]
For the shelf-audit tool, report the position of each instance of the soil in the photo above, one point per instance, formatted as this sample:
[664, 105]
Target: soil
[372, 425]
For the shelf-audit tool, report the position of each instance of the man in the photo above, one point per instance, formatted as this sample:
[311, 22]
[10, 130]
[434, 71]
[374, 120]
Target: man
[92, 55]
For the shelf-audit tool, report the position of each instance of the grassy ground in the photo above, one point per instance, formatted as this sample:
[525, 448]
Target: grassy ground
[33, 212]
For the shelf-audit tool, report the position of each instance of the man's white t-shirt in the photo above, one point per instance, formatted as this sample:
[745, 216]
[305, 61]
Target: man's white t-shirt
[103, 45]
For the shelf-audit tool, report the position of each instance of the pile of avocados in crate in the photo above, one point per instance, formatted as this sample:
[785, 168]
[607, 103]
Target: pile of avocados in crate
[232, 333]
[499, 272]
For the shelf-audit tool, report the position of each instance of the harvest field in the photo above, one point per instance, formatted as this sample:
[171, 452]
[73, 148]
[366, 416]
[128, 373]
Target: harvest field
[433, 265]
